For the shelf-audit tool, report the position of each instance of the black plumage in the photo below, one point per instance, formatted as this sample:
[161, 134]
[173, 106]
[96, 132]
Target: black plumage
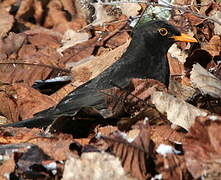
[144, 58]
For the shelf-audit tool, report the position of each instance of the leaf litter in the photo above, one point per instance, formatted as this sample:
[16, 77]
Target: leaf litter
[47, 39]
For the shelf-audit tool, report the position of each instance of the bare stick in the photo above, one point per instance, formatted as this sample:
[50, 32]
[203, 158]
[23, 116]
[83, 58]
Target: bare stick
[166, 5]
[41, 65]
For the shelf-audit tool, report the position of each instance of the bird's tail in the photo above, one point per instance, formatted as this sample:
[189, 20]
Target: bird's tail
[35, 122]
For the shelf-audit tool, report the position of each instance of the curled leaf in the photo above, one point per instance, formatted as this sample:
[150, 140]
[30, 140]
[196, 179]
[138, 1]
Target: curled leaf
[202, 148]
[205, 81]
[135, 156]
[178, 111]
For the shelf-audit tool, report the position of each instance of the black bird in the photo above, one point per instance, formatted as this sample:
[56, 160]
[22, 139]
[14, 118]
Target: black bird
[144, 58]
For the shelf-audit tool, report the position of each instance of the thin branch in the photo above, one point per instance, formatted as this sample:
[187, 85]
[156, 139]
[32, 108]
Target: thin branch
[41, 65]
[184, 8]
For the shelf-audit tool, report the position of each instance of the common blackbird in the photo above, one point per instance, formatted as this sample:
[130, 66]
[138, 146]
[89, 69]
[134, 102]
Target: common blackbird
[145, 58]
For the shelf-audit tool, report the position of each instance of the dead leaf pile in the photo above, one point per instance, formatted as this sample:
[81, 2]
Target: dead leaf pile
[145, 131]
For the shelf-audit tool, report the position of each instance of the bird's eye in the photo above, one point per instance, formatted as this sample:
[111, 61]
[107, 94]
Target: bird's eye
[163, 31]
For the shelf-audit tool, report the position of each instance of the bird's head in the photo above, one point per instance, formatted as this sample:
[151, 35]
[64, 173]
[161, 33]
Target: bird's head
[161, 34]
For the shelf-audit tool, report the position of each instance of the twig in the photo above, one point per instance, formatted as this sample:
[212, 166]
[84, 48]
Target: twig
[122, 26]
[41, 65]
[181, 8]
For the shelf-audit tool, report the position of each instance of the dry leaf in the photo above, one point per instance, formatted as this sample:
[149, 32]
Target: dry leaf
[30, 101]
[105, 165]
[101, 15]
[79, 51]
[117, 40]
[7, 167]
[172, 167]
[194, 20]
[178, 111]
[18, 135]
[98, 64]
[132, 99]
[176, 53]
[56, 147]
[21, 101]
[24, 7]
[56, 17]
[6, 22]
[69, 6]
[164, 134]
[8, 107]
[214, 46]
[202, 149]
[22, 72]
[11, 44]
[181, 87]
[42, 40]
[217, 28]
[72, 38]
[130, 9]
[135, 156]
[176, 67]
[205, 81]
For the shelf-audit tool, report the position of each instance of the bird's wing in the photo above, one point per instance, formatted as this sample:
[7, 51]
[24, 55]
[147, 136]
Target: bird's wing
[82, 97]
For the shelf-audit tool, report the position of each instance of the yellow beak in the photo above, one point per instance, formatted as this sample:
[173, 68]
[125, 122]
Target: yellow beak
[184, 38]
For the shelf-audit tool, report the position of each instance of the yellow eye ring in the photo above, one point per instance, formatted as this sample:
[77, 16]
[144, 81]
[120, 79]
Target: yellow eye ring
[163, 31]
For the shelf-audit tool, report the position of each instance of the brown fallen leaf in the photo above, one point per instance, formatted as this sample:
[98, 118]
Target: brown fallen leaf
[176, 67]
[217, 28]
[42, 40]
[132, 99]
[6, 22]
[117, 40]
[206, 82]
[69, 6]
[194, 20]
[35, 58]
[178, 111]
[172, 167]
[7, 167]
[71, 38]
[18, 135]
[202, 148]
[20, 101]
[14, 72]
[56, 147]
[135, 156]
[8, 107]
[79, 51]
[164, 134]
[24, 7]
[11, 44]
[213, 46]
[30, 101]
[56, 17]
[19, 56]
